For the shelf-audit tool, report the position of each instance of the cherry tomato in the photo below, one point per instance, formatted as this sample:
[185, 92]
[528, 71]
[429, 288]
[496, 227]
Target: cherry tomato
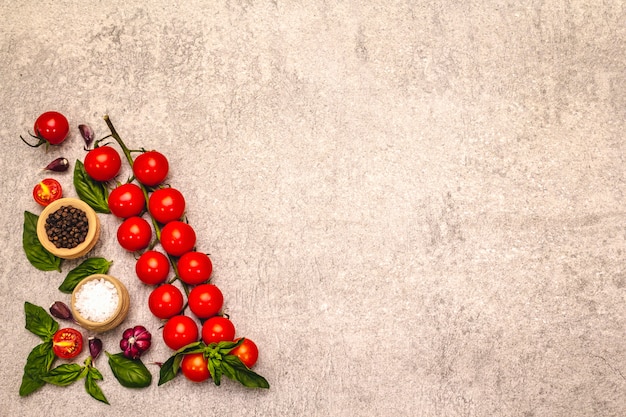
[180, 331]
[151, 168]
[166, 205]
[134, 234]
[103, 163]
[152, 267]
[195, 367]
[166, 301]
[194, 268]
[218, 329]
[67, 343]
[177, 238]
[205, 300]
[47, 191]
[126, 201]
[52, 126]
[247, 352]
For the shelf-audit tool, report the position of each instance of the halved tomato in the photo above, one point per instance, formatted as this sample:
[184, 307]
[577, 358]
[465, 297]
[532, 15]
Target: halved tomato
[67, 343]
[47, 191]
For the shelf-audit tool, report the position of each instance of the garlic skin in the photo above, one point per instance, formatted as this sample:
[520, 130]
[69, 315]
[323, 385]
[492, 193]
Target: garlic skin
[95, 347]
[88, 135]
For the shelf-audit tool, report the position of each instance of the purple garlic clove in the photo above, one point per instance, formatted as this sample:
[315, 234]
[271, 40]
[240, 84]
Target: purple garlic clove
[88, 135]
[60, 310]
[58, 165]
[135, 341]
[95, 347]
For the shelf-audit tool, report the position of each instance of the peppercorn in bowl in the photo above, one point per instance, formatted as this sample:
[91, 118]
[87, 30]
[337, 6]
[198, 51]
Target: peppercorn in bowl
[68, 228]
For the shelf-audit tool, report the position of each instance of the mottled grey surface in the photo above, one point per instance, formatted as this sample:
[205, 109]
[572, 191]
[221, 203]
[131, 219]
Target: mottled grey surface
[414, 208]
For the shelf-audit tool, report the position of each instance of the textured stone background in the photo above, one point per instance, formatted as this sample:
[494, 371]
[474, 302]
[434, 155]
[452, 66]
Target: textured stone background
[414, 208]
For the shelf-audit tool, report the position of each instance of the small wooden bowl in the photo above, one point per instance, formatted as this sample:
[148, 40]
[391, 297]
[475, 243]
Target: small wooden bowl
[93, 233]
[118, 316]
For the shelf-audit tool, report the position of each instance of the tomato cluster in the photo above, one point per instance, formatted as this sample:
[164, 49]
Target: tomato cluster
[193, 269]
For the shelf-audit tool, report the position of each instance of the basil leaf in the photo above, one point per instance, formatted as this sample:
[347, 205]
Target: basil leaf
[88, 267]
[39, 362]
[224, 347]
[234, 369]
[36, 254]
[130, 373]
[64, 375]
[39, 322]
[92, 387]
[92, 192]
[169, 369]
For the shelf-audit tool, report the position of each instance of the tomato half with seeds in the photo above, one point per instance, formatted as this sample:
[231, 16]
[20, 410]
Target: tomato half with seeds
[47, 191]
[67, 343]
[195, 367]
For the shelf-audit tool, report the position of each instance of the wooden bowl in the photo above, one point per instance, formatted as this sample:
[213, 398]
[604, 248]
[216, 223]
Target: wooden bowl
[93, 232]
[118, 316]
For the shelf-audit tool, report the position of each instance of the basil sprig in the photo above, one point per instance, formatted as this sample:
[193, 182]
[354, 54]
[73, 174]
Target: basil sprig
[88, 267]
[67, 374]
[41, 358]
[219, 362]
[36, 254]
[131, 373]
[92, 192]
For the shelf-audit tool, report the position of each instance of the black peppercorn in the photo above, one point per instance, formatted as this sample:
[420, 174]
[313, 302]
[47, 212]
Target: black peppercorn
[67, 227]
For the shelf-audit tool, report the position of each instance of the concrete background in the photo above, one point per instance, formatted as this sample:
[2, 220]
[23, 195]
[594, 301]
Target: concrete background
[413, 207]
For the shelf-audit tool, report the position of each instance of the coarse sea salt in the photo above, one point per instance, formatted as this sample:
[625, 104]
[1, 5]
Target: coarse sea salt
[97, 300]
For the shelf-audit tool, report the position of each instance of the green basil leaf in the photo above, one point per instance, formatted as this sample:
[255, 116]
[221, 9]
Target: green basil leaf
[38, 363]
[91, 385]
[92, 192]
[169, 369]
[36, 254]
[215, 369]
[39, 322]
[130, 373]
[88, 267]
[224, 347]
[64, 375]
[234, 369]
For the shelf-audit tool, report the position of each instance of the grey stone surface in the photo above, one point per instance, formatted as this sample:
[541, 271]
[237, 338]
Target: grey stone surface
[413, 208]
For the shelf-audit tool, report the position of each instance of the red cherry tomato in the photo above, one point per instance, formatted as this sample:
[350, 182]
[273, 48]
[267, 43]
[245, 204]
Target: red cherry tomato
[205, 300]
[166, 301]
[218, 329]
[103, 163]
[67, 343]
[47, 191]
[151, 168]
[177, 238]
[52, 126]
[179, 331]
[194, 268]
[126, 201]
[152, 267]
[134, 234]
[247, 352]
[166, 205]
[195, 367]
